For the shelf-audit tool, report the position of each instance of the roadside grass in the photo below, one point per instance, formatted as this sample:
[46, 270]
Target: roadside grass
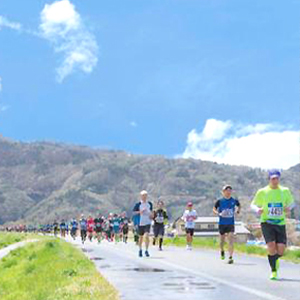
[8, 238]
[213, 243]
[51, 270]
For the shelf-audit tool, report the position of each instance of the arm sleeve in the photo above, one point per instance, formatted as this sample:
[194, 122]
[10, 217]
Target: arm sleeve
[151, 206]
[136, 207]
[217, 204]
[238, 204]
[165, 215]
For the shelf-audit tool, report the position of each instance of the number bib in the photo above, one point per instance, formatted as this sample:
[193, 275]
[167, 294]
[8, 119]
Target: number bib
[228, 213]
[275, 210]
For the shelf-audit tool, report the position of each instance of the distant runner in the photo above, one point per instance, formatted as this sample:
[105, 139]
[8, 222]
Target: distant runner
[226, 208]
[116, 222]
[144, 209]
[189, 217]
[99, 227]
[74, 227]
[90, 227]
[83, 228]
[63, 228]
[160, 218]
[55, 228]
[273, 203]
[124, 227]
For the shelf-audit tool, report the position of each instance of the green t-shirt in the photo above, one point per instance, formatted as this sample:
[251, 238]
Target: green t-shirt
[273, 202]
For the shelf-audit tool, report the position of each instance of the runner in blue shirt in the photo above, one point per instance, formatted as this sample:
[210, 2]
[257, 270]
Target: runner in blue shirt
[226, 208]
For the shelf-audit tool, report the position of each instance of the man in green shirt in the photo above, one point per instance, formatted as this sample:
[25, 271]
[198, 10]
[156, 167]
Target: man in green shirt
[273, 204]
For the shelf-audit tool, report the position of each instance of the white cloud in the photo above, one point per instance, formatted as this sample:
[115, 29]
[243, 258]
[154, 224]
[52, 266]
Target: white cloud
[4, 22]
[261, 145]
[62, 25]
[133, 124]
[3, 108]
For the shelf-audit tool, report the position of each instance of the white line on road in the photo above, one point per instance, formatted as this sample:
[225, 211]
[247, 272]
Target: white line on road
[262, 295]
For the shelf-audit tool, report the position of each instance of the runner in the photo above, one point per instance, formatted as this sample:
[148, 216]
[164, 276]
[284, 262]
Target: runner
[55, 228]
[135, 227]
[83, 228]
[226, 208]
[74, 227]
[116, 221]
[189, 217]
[124, 227]
[62, 228]
[144, 209]
[90, 227]
[98, 228]
[67, 228]
[160, 218]
[273, 203]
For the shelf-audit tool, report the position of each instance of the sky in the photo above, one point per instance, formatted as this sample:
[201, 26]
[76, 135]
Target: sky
[215, 80]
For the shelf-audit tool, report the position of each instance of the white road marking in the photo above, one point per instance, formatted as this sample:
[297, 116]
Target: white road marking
[262, 295]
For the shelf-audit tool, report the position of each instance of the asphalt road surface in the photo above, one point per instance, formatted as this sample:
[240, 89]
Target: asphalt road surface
[177, 273]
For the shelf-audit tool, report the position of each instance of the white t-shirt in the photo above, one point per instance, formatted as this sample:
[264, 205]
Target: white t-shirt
[189, 217]
[145, 215]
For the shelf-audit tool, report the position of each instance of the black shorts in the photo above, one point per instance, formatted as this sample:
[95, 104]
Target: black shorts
[189, 231]
[159, 230]
[98, 229]
[226, 229]
[274, 233]
[144, 229]
[125, 229]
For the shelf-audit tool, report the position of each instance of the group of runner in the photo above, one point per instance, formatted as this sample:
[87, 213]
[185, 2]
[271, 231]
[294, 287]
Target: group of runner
[114, 227]
[272, 204]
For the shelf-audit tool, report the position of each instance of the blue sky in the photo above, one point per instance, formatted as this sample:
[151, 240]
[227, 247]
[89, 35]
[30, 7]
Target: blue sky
[164, 69]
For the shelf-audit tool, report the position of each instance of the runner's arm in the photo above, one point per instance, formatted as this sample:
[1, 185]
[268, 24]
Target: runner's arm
[257, 203]
[216, 207]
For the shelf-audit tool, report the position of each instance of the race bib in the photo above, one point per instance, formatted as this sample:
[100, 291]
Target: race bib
[275, 210]
[228, 213]
[159, 219]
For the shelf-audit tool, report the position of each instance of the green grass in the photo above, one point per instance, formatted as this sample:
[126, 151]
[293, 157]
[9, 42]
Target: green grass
[213, 243]
[8, 238]
[51, 270]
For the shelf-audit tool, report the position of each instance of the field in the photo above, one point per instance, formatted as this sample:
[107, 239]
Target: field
[51, 269]
[213, 243]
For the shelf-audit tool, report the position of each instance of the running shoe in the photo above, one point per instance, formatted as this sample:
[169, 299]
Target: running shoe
[140, 253]
[274, 275]
[147, 253]
[230, 261]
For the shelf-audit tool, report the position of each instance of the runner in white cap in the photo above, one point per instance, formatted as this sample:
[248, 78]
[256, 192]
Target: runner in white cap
[144, 210]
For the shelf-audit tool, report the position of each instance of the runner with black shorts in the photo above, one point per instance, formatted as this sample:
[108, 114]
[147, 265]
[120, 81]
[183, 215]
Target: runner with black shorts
[144, 210]
[83, 228]
[125, 227]
[160, 218]
[189, 217]
[274, 203]
[98, 227]
[225, 208]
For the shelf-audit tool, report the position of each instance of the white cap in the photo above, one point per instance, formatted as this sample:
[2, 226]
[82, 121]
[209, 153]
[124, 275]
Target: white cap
[143, 192]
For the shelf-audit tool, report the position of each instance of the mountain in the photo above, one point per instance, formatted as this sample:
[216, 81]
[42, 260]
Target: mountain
[43, 181]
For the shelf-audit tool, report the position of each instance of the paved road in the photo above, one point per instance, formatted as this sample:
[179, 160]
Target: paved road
[199, 274]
